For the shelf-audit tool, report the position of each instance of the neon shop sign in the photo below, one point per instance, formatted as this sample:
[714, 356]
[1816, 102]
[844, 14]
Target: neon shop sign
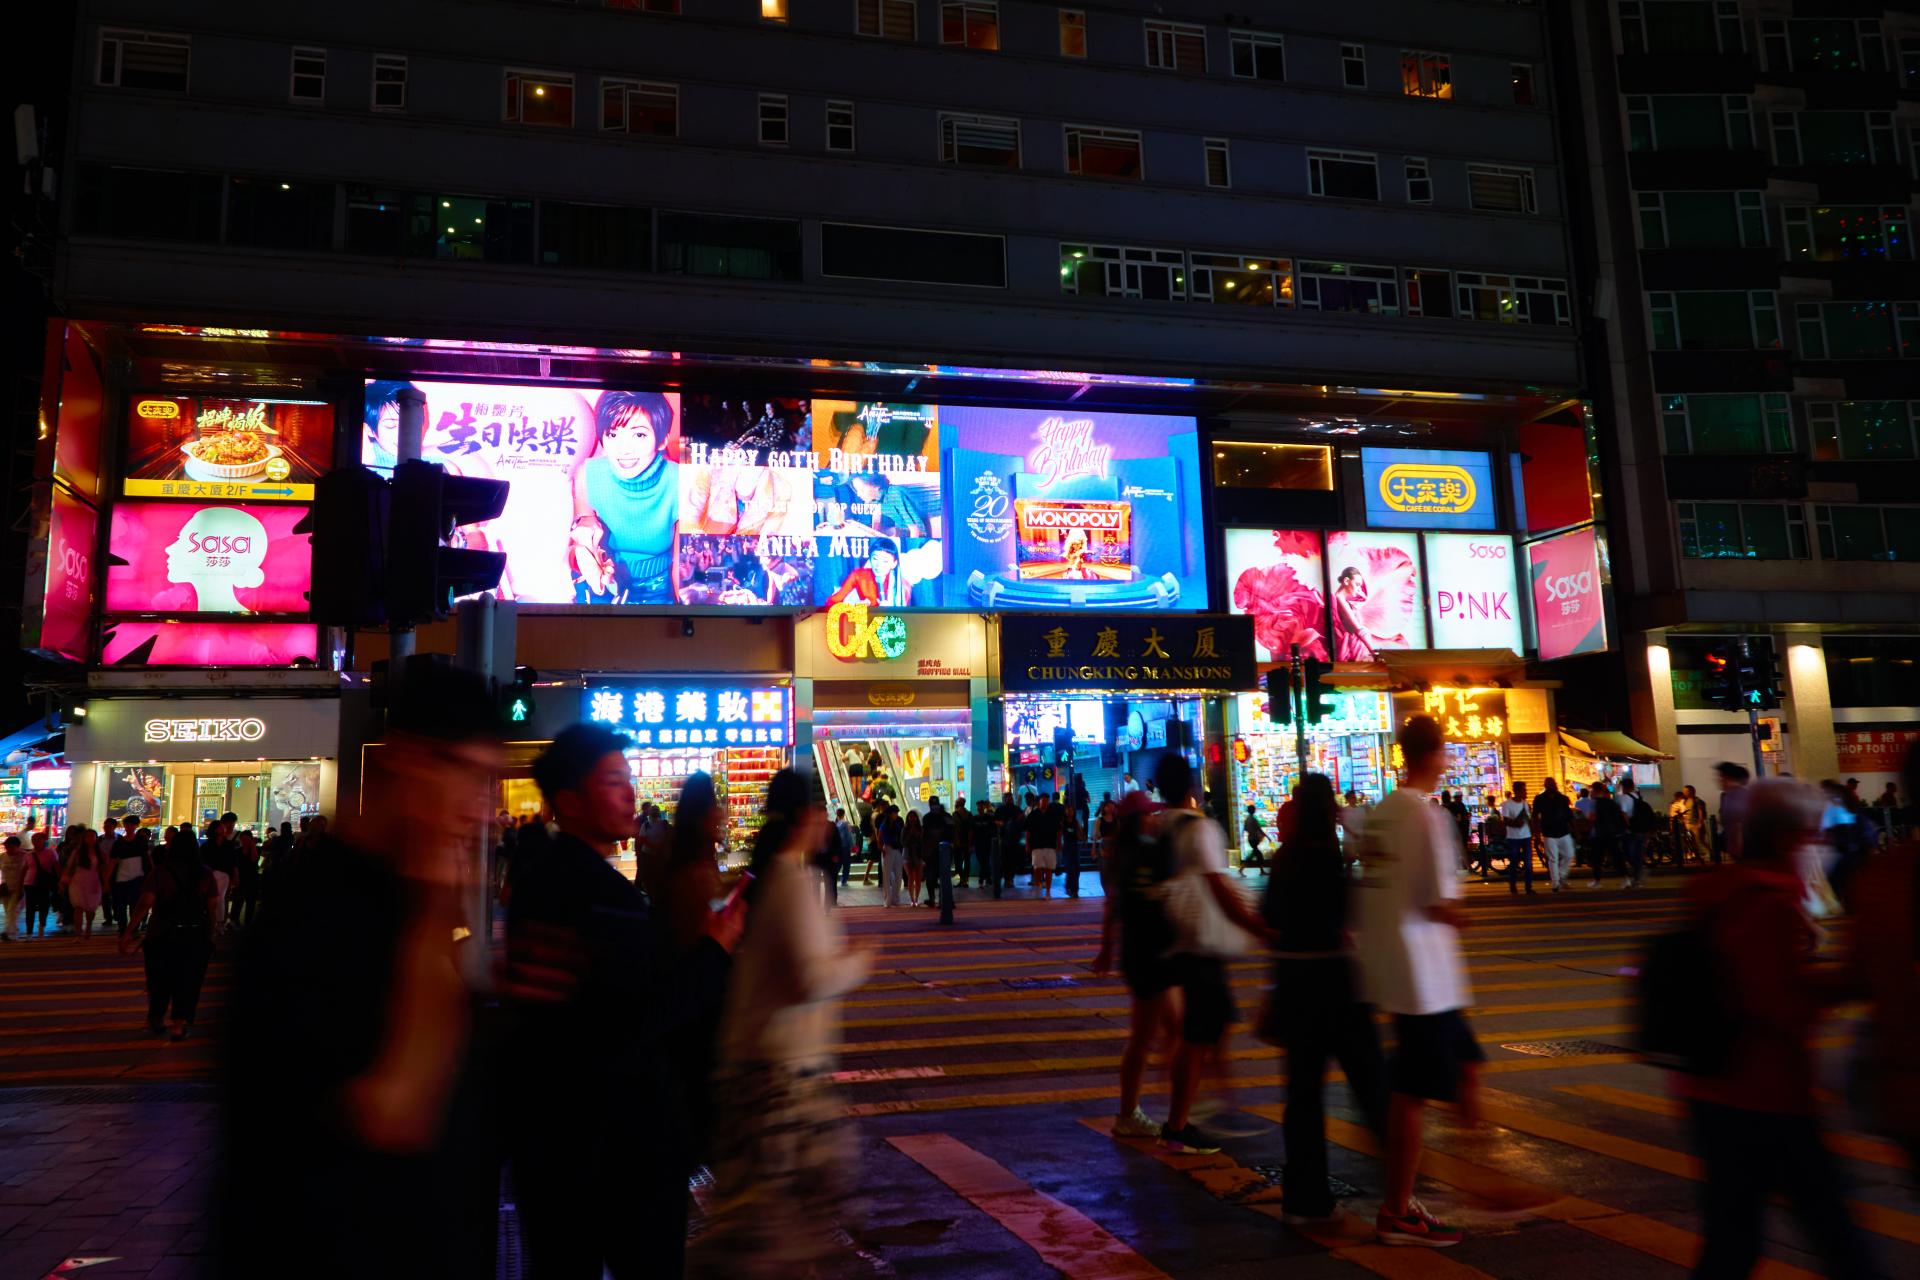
[1428, 488]
[854, 634]
[238, 729]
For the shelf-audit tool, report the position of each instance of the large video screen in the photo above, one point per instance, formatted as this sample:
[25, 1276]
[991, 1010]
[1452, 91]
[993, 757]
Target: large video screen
[655, 498]
[205, 447]
[1376, 601]
[207, 557]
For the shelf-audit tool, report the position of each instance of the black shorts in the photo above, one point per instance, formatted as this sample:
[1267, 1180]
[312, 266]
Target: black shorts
[1433, 1049]
[1209, 1009]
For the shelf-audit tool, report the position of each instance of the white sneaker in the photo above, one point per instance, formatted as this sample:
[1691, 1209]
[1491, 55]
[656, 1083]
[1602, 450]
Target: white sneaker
[1137, 1125]
[1593, 884]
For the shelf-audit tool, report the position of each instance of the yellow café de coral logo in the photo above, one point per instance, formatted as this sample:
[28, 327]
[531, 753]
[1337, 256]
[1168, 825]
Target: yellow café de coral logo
[1428, 488]
[855, 635]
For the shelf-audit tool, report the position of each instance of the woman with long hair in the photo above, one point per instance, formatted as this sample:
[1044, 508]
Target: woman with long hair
[916, 857]
[787, 1163]
[184, 902]
[81, 876]
[1315, 1011]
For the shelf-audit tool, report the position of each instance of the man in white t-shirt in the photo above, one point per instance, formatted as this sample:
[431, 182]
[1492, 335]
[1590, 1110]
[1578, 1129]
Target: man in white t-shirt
[1411, 964]
[1514, 813]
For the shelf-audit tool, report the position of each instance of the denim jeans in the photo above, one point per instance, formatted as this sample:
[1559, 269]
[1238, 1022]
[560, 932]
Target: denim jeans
[1519, 855]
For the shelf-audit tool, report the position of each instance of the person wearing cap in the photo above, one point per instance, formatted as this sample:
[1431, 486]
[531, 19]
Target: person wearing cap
[599, 1151]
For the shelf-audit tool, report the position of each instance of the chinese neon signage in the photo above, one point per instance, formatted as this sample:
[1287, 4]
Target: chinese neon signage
[1428, 488]
[1464, 715]
[654, 714]
[855, 634]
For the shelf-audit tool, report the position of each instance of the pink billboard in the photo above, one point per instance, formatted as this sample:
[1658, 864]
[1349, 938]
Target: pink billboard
[209, 644]
[1569, 615]
[207, 557]
[66, 599]
[1376, 594]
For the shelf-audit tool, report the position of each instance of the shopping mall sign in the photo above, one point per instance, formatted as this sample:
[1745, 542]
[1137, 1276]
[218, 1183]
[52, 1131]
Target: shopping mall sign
[1207, 653]
[858, 633]
[652, 713]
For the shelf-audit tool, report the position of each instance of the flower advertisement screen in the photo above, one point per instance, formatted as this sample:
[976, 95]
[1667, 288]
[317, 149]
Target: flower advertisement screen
[1470, 584]
[1376, 602]
[1569, 613]
[175, 557]
[751, 501]
[245, 450]
[1279, 576]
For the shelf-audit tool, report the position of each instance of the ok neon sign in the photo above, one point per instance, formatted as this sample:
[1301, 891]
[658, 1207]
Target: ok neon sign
[855, 635]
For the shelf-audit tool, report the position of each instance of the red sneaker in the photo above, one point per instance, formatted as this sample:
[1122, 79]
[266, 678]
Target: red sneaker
[1415, 1227]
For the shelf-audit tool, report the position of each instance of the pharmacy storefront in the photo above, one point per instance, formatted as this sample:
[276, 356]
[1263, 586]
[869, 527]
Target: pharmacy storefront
[1351, 744]
[173, 761]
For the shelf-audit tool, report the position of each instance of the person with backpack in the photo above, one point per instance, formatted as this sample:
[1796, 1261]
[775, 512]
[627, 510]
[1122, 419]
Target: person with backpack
[1256, 836]
[1513, 816]
[1135, 926]
[1212, 922]
[1314, 1011]
[1642, 822]
[1749, 1086]
[1555, 818]
[184, 901]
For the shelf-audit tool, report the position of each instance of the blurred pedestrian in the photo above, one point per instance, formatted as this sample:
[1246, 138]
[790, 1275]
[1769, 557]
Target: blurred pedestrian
[43, 877]
[1887, 961]
[1256, 836]
[184, 901]
[83, 876]
[1755, 1120]
[246, 884]
[1609, 834]
[1733, 805]
[787, 1161]
[1314, 1011]
[13, 887]
[1135, 927]
[685, 898]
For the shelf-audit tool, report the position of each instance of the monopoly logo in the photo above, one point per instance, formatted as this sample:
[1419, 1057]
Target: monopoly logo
[1050, 515]
[854, 634]
[157, 409]
[1428, 488]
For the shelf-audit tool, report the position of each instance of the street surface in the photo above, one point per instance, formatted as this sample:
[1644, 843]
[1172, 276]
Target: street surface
[980, 1065]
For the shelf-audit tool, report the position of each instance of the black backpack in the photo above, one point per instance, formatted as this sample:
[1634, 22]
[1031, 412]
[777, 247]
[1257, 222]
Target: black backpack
[1145, 865]
[1643, 819]
[1686, 1021]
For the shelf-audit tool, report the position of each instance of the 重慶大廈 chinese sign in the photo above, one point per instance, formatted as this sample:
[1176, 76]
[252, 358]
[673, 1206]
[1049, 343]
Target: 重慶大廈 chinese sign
[1105, 651]
[655, 714]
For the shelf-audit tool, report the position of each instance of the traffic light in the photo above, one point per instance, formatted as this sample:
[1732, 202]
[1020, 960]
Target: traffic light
[348, 527]
[1759, 682]
[517, 703]
[1314, 687]
[425, 577]
[1063, 746]
[1278, 682]
[1720, 681]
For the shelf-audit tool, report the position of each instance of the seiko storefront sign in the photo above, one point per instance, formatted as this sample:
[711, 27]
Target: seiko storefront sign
[228, 729]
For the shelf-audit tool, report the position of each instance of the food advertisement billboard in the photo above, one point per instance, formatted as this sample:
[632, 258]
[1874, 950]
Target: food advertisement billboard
[238, 450]
[208, 644]
[1569, 611]
[1470, 589]
[1428, 488]
[1376, 602]
[652, 498]
[1278, 576]
[190, 557]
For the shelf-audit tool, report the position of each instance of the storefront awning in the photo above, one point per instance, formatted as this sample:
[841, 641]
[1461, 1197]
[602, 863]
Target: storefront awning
[1611, 744]
[33, 735]
[1406, 669]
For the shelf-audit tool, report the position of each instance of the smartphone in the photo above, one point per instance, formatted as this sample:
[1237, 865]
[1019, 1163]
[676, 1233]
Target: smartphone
[733, 895]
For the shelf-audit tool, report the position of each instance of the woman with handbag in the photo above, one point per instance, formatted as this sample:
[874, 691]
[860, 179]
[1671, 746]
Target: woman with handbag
[1314, 1011]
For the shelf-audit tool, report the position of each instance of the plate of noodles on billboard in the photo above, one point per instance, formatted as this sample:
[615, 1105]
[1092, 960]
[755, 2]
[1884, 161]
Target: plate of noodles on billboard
[205, 447]
[1376, 594]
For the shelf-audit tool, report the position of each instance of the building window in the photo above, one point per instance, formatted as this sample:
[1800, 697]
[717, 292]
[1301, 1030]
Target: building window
[1702, 219]
[1123, 271]
[1257, 464]
[991, 142]
[1429, 293]
[773, 10]
[696, 244]
[635, 106]
[276, 213]
[377, 221]
[389, 82]
[1350, 175]
[1839, 46]
[470, 228]
[1239, 280]
[1522, 77]
[1848, 233]
[1175, 46]
[1424, 74]
[1501, 189]
[1419, 181]
[539, 97]
[1256, 56]
[1862, 430]
[148, 204]
[1742, 531]
[1219, 168]
[1681, 26]
[1346, 286]
[1104, 153]
[151, 60]
[1740, 423]
[1868, 533]
[1073, 33]
[910, 256]
[886, 19]
[598, 236]
[839, 125]
[1833, 138]
[773, 119]
[1353, 66]
[1910, 63]
[1872, 671]
[1859, 330]
[1690, 122]
[1502, 299]
[973, 23]
[1708, 320]
[309, 76]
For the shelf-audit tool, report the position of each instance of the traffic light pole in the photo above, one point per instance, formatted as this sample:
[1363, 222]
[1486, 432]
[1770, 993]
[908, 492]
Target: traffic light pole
[413, 431]
[1753, 712]
[1296, 676]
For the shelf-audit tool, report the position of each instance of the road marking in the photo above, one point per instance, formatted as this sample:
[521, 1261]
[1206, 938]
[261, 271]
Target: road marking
[1065, 1239]
[1851, 1145]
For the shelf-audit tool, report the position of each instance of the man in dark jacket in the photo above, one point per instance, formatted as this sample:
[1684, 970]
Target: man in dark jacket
[600, 1164]
[936, 833]
[1008, 856]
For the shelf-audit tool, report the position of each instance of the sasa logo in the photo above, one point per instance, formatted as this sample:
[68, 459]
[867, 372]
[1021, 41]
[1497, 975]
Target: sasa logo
[1567, 586]
[1487, 550]
[229, 544]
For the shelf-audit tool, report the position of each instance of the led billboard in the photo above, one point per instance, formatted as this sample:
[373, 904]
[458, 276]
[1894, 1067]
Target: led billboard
[208, 644]
[1376, 602]
[190, 557]
[1470, 589]
[240, 450]
[1278, 576]
[1428, 488]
